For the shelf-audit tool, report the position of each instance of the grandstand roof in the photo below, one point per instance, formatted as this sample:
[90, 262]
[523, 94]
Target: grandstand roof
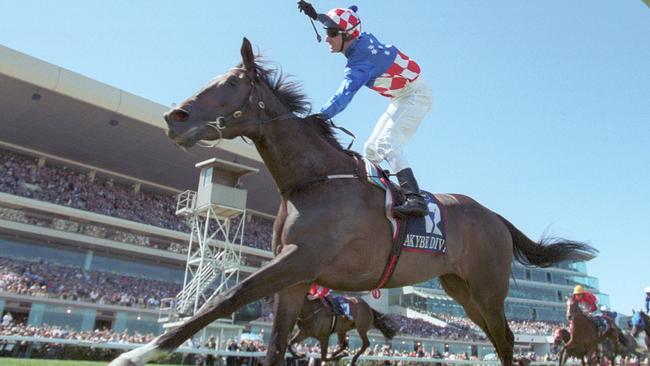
[55, 112]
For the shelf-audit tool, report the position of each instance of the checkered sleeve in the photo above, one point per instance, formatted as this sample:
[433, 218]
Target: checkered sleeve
[355, 76]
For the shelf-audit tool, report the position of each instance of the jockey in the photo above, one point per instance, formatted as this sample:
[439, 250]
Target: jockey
[587, 302]
[611, 315]
[318, 292]
[392, 74]
[323, 293]
[585, 299]
[647, 299]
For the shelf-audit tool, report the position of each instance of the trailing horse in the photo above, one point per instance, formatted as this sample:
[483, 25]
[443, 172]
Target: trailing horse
[317, 320]
[641, 323]
[331, 227]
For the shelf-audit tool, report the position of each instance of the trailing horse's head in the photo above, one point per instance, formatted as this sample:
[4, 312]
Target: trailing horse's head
[638, 323]
[214, 112]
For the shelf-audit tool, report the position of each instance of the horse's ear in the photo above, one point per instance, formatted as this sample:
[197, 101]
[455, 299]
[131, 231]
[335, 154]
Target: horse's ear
[247, 56]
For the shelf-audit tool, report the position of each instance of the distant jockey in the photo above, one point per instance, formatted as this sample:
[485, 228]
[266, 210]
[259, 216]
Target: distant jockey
[318, 292]
[585, 299]
[647, 299]
[611, 315]
[337, 304]
[587, 302]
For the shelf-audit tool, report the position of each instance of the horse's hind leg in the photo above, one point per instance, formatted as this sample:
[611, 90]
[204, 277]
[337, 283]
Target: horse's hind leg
[485, 309]
[364, 347]
[457, 288]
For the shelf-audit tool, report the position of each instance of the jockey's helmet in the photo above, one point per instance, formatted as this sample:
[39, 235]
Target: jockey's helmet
[345, 20]
[647, 290]
[578, 290]
[604, 308]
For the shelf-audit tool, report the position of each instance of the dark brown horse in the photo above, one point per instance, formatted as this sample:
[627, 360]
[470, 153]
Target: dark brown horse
[627, 347]
[333, 231]
[317, 320]
[641, 323]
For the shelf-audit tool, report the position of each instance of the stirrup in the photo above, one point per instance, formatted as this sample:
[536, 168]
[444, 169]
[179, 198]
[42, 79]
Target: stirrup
[413, 207]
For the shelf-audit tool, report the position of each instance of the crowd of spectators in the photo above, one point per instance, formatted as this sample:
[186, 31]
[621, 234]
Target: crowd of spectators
[72, 283]
[96, 336]
[529, 327]
[23, 176]
[423, 328]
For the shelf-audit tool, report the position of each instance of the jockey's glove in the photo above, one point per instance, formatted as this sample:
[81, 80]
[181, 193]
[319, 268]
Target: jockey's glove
[308, 9]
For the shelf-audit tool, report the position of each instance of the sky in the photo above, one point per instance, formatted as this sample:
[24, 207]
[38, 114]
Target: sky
[541, 109]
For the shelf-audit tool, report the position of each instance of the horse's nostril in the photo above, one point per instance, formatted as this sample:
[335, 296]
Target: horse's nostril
[176, 115]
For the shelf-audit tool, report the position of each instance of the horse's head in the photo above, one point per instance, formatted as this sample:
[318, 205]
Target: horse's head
[638, 323]
[220, 109]
[560, 336]
[572, 307]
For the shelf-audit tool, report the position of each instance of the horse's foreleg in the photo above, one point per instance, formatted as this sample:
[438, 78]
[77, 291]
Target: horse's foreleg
[297, 338]
[342, 343]
[290, 267]
[324, 343]
[286, 308]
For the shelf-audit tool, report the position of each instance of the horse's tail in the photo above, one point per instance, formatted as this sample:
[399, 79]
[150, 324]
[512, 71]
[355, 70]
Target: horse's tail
[385, 326]
[548, 250]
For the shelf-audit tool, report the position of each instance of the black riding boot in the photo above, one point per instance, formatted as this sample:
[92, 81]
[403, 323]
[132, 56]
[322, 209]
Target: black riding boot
[414, 204]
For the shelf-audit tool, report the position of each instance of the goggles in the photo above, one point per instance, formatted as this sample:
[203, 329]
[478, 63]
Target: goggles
[333, 32]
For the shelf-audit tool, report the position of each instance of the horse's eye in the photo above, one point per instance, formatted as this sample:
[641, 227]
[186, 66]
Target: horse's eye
[232, 83]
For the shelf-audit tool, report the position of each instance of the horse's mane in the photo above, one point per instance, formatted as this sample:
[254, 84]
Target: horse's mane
[289, 92]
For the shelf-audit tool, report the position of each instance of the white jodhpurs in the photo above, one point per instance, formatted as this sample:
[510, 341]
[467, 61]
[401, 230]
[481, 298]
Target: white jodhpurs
[398, 124]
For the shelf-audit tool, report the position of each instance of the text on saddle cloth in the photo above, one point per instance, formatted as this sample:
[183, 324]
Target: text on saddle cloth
[423, 234]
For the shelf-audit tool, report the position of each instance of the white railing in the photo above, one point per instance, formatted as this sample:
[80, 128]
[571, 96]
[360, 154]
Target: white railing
[206, 351]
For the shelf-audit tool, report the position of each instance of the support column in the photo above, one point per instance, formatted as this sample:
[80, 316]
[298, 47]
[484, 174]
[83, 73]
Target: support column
[88, 320]
[36, 315]
[89, 259]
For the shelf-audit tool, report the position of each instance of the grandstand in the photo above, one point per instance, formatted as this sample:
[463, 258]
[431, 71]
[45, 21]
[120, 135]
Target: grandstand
[89, 239]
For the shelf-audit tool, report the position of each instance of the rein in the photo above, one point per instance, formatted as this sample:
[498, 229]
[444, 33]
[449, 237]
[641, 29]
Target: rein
[311, 315]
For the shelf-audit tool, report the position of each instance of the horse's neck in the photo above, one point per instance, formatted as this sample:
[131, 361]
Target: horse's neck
[296, 155]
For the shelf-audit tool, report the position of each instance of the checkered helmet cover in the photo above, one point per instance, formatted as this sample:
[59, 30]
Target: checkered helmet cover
[346, 20]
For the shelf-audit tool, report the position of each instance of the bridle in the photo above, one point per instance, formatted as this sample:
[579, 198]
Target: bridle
[222, 122]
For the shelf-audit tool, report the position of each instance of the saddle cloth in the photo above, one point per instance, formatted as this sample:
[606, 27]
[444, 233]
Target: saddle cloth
[417, 234]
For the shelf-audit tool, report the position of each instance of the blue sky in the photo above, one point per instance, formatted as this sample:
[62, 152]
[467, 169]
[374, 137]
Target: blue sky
[541, 109]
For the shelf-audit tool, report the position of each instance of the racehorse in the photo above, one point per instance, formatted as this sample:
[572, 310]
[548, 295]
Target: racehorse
[317, 320]
[640, 323]
[330, 228]
[585, 337]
